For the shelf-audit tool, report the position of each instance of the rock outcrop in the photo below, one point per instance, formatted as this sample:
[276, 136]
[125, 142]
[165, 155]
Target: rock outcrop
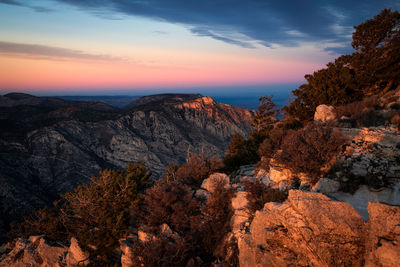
[49, 146]
[310, 229]
[36, 251]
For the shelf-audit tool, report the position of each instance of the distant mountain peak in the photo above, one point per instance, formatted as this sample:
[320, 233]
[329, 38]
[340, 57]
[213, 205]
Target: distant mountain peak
[18, 96]
[165, 98]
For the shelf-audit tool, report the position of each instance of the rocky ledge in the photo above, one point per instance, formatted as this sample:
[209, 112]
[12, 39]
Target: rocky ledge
[310, 229]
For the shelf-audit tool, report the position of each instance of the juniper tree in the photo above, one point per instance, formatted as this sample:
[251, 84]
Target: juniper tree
[264, 116]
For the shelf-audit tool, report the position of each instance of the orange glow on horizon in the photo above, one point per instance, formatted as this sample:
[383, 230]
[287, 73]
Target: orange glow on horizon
[28, 73]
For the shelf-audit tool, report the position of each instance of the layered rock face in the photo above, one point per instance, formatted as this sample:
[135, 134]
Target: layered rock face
[310, 229]
[49, 146]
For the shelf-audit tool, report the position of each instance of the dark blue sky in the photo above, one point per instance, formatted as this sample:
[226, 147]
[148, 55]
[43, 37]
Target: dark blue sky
[269, 22]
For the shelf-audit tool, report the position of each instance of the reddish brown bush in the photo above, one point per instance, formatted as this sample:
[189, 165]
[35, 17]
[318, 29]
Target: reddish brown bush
[310, 149]
[170, 203]
[355, 108]
[194, 171]
[201, 225]
[270, 145]
[259, 194]
[161, 252]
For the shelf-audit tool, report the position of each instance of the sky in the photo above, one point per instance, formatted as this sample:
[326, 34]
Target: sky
[227, 47]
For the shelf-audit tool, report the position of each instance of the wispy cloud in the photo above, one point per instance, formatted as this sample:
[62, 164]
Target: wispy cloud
[40, 9]
[284, 22]
[202, 31]
[35, 51]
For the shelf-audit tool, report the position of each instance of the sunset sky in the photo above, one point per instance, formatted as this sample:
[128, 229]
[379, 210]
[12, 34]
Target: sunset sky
[65, 47]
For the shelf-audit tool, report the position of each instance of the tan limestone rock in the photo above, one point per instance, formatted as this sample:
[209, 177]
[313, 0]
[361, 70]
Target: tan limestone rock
[307, 229]
[75, 255]
[324, 113]
[383, 241]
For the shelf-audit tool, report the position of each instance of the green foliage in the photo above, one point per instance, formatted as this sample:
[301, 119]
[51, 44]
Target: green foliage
[242, 151]
[377, 61]
[97, 214]
[270, 146]
[334, 85]
[310, 150]
[373, 69]
[265, 115]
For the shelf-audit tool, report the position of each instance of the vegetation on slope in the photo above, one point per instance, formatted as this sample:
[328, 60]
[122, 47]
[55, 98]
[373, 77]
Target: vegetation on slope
[115, 202]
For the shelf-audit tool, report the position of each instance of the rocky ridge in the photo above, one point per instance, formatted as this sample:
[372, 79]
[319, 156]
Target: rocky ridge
[349, 218]
[49, 146]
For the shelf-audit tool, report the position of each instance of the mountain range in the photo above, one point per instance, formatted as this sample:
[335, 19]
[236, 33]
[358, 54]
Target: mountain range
[49, 145]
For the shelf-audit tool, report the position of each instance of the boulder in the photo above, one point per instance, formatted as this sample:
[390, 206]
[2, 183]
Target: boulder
[324, 113]
[310, 229]
[76, 256]
[282, 178]
[240, 212]
[126, 246]
[307, 230]
[35, 251]
[325, 185]
[359, 200]
[213, 180]
[383, 242]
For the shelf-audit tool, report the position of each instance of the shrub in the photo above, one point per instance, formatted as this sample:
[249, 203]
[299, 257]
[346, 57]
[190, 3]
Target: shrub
[194, 171]
[97, 214]
[242, 151]
[351, 110]
[310, 149]
[43, 221]
[371, 70]
[264, 117]
[201, 225]
[170, 203]
[259, 194]
[270, 145]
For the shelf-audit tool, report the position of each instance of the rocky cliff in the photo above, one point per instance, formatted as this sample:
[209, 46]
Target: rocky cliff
[48, 146]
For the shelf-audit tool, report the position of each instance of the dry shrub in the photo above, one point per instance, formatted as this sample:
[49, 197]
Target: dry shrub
[170, 203]
[310, 149]
[365, 113]
[162, 251]
[201, 225]
[194, 171]
[43, 221]
[358, 107]
[395, 119]
[97, 214]
[259, 194]
[270, 145]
